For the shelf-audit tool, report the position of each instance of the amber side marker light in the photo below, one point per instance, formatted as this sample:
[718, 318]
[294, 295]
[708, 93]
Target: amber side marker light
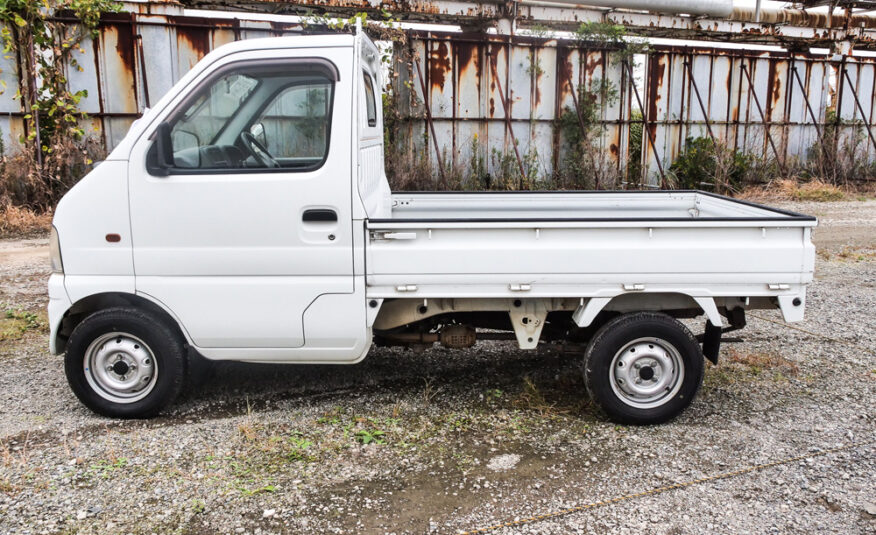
[113, 238]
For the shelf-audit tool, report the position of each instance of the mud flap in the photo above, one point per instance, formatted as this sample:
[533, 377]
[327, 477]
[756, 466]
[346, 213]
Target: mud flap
[712, 342]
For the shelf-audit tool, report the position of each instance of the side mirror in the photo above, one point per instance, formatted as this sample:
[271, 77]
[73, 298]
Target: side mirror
[164, 147]
[258, 131]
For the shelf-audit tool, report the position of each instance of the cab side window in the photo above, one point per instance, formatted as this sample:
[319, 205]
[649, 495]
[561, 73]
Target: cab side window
[370, 100]
[274, 116]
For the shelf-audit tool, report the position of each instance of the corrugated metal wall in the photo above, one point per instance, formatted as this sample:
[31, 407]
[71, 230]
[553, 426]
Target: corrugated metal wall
[134, 61]
[771, 104]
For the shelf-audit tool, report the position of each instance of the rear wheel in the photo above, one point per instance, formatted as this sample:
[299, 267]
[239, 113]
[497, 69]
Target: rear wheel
[643, 368]
[125, 363]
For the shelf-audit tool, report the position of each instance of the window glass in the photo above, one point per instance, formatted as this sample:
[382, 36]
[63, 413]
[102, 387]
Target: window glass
[203, 119]
[259, 117]
[295, 124]
[370, 101]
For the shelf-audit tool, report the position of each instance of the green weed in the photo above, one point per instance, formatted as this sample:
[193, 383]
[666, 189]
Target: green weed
[16, 323]
[368, 436]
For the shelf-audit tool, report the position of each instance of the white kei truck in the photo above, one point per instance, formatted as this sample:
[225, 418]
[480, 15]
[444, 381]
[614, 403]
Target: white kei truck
[247, 217]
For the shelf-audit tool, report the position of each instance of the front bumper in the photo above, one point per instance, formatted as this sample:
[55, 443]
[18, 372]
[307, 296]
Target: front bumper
[59, 304]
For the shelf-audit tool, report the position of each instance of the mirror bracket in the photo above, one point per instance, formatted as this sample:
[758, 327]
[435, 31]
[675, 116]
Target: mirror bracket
[164, 149]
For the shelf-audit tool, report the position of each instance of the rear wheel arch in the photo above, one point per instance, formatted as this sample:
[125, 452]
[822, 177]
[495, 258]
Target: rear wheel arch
[87, 306]
[675, 304]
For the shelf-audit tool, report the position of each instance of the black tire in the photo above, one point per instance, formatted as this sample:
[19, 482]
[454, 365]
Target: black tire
[616, 376]
[162, 375]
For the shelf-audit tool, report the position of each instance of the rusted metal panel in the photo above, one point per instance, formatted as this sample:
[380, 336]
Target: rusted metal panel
[11, 122]
[439, 75]
[656, 107]
[157, 76]
[615, 114]
[543, 82]
[117, 78]
[517, 83]
[700, 111]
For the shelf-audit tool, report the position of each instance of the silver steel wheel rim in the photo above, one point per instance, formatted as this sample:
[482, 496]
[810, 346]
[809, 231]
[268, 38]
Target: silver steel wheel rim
[646, 373]
[120, 368]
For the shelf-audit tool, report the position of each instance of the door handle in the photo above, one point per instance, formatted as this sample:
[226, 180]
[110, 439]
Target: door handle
[320, 215]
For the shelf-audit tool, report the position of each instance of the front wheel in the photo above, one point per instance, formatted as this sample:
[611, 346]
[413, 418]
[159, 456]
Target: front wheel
[643, 368]
[125, 363]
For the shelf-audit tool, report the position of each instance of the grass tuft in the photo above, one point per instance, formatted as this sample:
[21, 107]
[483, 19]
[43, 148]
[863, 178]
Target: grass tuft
[811, 191]
[15, 323]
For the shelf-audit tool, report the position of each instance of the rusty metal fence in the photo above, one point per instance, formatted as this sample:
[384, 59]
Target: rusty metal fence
[468, 95]
[136, 58]
[506, 92]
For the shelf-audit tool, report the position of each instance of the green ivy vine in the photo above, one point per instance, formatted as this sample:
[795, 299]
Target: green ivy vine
[42, 38]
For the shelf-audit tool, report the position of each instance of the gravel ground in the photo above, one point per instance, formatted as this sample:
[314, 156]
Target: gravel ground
[447, 441]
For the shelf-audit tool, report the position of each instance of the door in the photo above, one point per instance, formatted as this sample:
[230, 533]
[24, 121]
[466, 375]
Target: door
[252, 221]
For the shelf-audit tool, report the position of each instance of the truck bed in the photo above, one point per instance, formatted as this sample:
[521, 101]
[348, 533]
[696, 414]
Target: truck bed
[587, 244]
[602, 206]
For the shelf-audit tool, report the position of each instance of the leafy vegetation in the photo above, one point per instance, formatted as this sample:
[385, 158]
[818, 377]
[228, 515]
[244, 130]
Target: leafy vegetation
[56, 151]
[586, 163]
[368, 436]
[613, 36]
[706, 164]
[16, 323]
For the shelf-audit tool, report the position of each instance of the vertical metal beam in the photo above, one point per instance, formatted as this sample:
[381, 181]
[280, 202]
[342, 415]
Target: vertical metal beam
[575, 98]
[645, 124]
[806, 100]
[693, 84]
[429, 122]
[558, 112]
[139, 40]
[494, 59]
[837, 117]
[860, 108]
[766, 126]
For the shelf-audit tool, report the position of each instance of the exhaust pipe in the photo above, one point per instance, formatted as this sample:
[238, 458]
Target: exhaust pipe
[452, 337]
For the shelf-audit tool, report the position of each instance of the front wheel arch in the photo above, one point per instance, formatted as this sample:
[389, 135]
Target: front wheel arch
[102, 301]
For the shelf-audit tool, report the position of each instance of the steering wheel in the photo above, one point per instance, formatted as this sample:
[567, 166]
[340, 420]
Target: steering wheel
[257, 150]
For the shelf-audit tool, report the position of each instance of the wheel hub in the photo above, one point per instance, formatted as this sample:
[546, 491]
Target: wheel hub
[646, 373]
[120, 367]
